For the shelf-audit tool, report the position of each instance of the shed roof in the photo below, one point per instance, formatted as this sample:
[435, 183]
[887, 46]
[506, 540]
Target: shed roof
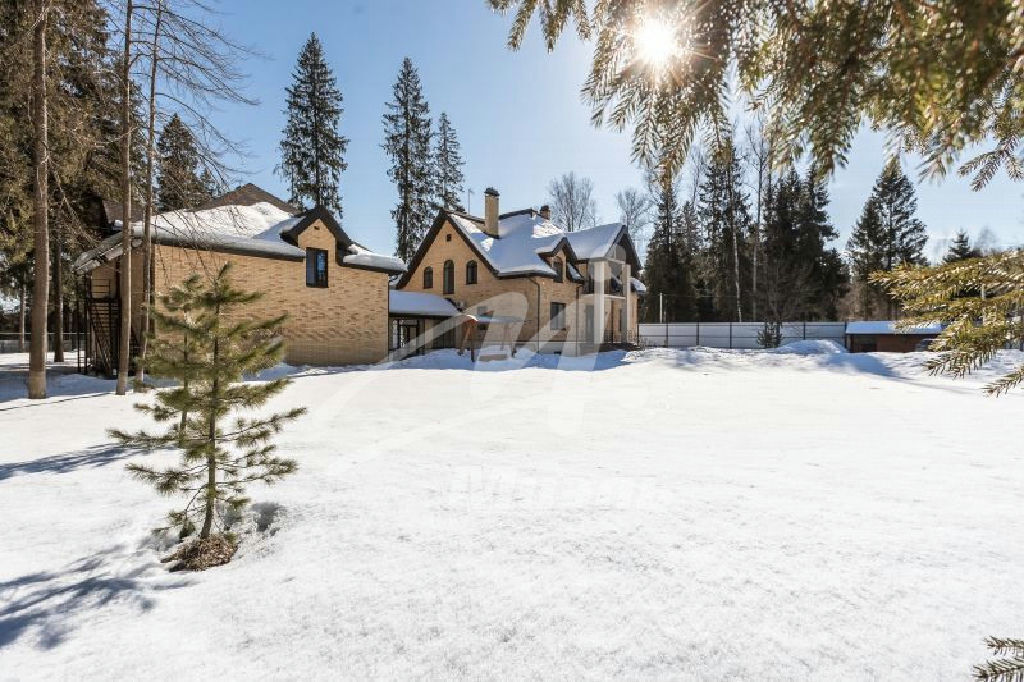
[419, 304]
[889, 327]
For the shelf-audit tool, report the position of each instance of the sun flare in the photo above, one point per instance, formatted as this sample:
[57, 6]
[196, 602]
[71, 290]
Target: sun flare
[656, 42]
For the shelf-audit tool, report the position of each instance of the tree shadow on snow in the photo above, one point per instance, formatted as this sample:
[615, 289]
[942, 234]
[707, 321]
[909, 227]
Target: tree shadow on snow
[51, 604]
[96, 456]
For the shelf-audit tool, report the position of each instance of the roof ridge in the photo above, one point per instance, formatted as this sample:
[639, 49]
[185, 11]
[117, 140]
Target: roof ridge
[249, 194]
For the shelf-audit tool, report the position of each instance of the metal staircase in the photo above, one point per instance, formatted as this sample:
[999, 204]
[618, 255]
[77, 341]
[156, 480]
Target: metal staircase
[103, 312]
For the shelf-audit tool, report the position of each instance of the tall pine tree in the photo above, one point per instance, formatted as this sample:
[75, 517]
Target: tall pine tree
[886, 235]
[407, 136]
[448, 165]
[218, 458]
[669, 267]
[181, 182]
[312, 149]
[725, 218]
[828, 275]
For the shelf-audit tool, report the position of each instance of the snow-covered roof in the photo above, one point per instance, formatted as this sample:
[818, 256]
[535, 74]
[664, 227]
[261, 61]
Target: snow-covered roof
[595, 242]
[258, 229]
[416, 303]
[366, 258]
[889, 327]
[524, 236]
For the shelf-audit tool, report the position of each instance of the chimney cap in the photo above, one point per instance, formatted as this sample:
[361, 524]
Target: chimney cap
[491, 191]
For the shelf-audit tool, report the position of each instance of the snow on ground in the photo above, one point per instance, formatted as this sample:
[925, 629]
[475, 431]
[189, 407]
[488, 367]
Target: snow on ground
[698, 514]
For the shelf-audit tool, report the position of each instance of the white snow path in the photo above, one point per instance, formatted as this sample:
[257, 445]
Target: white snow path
[673, 515]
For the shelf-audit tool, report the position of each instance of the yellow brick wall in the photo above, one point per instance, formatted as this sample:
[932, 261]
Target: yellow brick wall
[523, 302]
[344, 323]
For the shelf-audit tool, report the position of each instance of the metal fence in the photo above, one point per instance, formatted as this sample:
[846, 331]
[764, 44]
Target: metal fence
[9, 342]
[734, 334]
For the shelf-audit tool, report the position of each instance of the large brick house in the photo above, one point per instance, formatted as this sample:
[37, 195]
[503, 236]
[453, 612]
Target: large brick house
[569, 291]
[334, 290]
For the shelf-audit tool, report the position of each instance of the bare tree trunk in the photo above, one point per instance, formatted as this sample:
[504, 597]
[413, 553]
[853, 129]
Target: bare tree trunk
[40, 293]
[58, 296]
[124, 345]
[22, 295]
[736, 272]
[147, 236]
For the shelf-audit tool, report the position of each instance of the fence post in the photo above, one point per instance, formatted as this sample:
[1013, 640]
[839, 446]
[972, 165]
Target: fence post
[805, 330]
[730, 335]
[666, 335]
[698, 334]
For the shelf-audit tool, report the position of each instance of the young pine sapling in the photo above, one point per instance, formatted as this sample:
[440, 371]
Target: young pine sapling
[207, 344]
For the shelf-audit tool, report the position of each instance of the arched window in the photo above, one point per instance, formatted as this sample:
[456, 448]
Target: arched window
[428, 278]
[471, 272]
[449, 277]
[556, 265]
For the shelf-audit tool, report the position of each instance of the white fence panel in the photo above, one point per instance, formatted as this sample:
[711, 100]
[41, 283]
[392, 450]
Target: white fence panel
[734, 334]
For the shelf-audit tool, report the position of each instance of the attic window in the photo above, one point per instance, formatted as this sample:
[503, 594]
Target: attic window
[448, 237]
[316, 268]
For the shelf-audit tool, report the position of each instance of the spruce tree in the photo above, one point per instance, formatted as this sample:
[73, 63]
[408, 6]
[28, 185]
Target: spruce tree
[725, 218]
[181, 182]
[407, 136]
[448, 165]
[887, 235]
[866, 249]
[668, 270]
[782, 291]
[961, 249]
[815, 232]
[207, 345]
[312, 149]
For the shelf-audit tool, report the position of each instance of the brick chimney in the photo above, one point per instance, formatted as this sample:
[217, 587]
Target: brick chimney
[491, 211]
[545, 212]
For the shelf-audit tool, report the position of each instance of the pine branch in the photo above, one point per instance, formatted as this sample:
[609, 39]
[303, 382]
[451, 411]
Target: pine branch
[1001, 670]
[1002, 646]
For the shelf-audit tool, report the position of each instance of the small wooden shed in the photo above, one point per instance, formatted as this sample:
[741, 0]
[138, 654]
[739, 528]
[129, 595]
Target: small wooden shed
[883, 336]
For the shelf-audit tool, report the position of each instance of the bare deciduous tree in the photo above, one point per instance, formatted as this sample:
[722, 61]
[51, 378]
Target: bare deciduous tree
[191, 64]
[635, 213]
[572, 202]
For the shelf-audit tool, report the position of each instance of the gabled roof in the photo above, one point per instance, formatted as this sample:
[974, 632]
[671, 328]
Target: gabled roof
[291, 235]
[524, 239]
[113, 211]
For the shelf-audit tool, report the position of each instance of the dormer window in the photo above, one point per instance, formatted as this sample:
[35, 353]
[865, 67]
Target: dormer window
[559, 268]
[428, 278]
[316, 268]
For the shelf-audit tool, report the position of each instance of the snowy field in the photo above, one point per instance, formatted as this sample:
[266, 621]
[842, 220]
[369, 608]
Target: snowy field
[661, 515]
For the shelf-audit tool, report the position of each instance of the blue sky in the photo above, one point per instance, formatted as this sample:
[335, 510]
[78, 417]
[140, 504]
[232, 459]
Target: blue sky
[519, 115]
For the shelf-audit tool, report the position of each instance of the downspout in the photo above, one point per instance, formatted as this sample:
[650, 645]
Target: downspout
[537, 334]
[576, 329]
